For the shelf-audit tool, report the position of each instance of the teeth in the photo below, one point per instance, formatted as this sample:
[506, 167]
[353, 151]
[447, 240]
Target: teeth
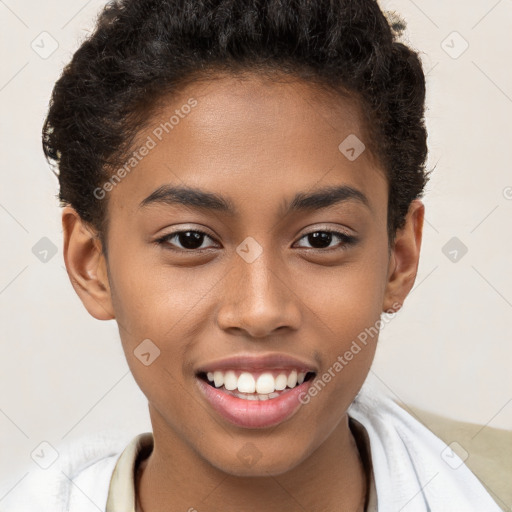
[230, 381]
[281, 381]
[218, 378]
[261, 387]
[246, 383]
[254, 396]
[265, 384]
[292, 379]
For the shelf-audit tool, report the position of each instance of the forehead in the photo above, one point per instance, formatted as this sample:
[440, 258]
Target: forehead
[248, 135]
[257, 104]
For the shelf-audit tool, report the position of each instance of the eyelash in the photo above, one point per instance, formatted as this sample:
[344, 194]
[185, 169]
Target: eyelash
[347, 240]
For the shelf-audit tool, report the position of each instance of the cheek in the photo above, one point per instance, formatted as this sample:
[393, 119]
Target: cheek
[169, 307]
[152, 299]
[347, 298]
[347, 307]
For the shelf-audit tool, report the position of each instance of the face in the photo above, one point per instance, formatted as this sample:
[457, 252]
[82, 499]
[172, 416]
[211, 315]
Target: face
[254, 280]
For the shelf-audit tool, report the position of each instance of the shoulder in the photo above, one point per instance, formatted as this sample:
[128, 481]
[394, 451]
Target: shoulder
[77, 480]
[414, 470]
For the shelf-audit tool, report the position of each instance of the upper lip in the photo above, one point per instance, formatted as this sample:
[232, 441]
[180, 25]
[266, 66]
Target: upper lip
[260, 362]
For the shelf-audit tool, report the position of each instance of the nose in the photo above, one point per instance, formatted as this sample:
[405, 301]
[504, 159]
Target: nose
[259, 298]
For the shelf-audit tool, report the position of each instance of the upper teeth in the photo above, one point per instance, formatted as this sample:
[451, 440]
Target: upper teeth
[263, 383]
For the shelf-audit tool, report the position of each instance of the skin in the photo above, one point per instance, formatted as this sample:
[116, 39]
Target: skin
[257, 143]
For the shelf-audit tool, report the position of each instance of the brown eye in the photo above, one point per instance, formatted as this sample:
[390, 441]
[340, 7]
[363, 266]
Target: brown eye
[189, 240]
[323, 239]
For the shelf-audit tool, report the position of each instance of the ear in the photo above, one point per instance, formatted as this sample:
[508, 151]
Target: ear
[404, 258]
[86, 265]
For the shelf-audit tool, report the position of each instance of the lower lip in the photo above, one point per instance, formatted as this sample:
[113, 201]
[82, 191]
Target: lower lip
[254, 413]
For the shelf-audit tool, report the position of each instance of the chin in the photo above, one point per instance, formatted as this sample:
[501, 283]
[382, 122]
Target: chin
[250, 461]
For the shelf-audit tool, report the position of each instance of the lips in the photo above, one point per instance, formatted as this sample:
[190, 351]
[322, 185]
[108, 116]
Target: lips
[255, 391]
[258, 363]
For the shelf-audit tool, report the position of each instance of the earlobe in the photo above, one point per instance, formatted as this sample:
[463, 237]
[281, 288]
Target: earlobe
[404, 259]
[86, 265]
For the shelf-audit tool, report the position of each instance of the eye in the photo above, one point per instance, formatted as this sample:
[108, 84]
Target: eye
[193, 239]
[189, 239]
[322, 239]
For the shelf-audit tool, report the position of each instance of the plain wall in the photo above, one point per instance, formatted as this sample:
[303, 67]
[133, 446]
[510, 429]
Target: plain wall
[449, 350]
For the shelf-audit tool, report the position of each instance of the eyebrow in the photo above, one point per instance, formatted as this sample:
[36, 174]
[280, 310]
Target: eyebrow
[302, 201]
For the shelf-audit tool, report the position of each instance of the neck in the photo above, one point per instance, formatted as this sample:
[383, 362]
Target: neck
[174, 478]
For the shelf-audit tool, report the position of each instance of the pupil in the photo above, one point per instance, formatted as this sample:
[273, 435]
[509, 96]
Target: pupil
[189, 239]
[321, 238]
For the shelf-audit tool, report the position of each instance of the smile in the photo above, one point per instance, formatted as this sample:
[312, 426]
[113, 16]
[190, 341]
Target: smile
[263, 385]
[255, 393]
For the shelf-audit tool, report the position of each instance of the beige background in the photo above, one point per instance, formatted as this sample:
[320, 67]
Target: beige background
[449, 351]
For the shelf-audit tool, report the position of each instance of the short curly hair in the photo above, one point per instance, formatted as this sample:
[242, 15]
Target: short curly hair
[142, 51]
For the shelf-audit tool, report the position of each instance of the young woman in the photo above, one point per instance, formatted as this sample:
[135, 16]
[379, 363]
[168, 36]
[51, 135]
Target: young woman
[241, 185]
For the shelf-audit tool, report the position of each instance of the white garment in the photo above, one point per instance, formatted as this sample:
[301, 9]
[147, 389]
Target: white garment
[410, 472]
